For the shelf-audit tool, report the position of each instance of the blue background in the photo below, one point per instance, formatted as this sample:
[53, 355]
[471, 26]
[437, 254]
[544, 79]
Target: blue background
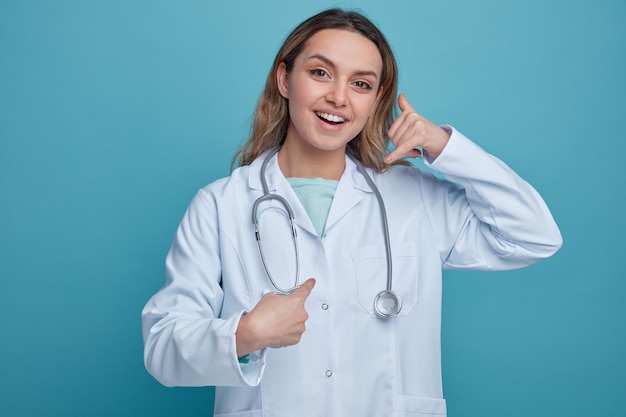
[113, 113]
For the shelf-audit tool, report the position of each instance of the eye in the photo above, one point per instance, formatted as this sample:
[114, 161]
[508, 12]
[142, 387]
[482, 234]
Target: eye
[363, 85]
[318, 73]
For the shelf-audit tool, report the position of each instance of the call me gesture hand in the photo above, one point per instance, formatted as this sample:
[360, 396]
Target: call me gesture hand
[411, 131]
[276, 321]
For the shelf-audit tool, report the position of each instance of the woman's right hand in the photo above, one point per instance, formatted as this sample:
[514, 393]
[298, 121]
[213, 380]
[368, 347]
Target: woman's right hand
[276, 321]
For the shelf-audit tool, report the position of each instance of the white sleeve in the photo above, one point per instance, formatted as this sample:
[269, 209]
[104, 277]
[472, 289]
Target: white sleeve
[186, 342]
[495, 220]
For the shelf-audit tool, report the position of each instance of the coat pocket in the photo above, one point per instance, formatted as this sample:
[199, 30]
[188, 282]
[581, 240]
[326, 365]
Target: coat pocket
[370, 264]
[411, 406]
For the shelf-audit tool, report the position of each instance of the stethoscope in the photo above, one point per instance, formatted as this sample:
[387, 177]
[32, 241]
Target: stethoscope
[387, 303]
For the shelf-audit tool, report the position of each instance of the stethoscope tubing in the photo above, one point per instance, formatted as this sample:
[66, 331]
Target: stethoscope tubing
[267, 196]
[387, 303]
[383, 213]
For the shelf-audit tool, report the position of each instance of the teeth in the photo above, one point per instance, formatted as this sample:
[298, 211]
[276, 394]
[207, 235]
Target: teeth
[331, 117]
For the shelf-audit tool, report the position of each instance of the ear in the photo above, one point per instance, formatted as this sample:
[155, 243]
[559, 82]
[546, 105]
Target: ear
[282, 80]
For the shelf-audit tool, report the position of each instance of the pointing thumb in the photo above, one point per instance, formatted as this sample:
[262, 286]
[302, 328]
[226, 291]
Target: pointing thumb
[306, 288]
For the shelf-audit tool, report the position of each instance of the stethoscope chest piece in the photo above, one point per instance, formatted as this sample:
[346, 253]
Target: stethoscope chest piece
[387, 304]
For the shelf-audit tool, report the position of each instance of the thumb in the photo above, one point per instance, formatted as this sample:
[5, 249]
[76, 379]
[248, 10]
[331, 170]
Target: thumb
[305, 289]
[403, 103]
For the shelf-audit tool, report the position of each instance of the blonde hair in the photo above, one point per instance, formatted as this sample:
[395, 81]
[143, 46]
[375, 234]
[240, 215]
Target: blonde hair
[271, 118]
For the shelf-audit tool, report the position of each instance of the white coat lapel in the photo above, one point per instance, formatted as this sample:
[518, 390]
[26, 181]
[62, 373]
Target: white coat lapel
[351, 189]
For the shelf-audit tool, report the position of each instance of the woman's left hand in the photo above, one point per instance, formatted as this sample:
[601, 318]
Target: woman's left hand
[410, 131]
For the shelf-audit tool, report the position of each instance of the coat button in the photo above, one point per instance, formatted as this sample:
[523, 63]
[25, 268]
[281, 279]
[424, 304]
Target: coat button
[328, 373]
[324, 306]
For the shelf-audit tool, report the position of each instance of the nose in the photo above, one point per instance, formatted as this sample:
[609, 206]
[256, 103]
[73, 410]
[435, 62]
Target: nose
[337, 94]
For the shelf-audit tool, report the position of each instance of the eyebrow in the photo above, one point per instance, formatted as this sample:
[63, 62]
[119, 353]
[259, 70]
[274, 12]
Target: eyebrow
[332, 65]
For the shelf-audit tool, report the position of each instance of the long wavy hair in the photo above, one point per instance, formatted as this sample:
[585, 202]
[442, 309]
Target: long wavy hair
[271, 118]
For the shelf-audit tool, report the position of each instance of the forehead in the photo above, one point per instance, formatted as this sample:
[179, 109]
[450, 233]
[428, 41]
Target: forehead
[344, 48]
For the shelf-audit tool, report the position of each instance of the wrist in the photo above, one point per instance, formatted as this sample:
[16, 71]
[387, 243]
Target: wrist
[245, 339]
[439, 142]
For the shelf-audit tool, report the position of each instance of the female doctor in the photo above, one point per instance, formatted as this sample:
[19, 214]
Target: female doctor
[370, 243]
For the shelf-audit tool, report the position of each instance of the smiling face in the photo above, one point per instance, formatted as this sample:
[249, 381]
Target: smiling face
[331, 89]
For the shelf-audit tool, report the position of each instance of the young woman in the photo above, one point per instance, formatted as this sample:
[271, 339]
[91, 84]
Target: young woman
[370, 243]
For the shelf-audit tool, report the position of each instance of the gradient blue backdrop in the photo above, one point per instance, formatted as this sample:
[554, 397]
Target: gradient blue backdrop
[113, 113]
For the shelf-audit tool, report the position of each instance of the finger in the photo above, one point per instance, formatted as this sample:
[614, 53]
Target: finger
[305, 289]
[404, 142]
[404, 122]
[399, 129]
[404, 104]
[395, 130]
[393, 156]
[403, 148]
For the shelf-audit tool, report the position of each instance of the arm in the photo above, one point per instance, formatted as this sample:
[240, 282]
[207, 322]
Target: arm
[494, 219]
[186, 341]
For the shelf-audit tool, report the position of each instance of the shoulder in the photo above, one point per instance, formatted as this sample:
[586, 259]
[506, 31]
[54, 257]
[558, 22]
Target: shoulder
[401, 176]
[219, 203]
[236, 182]
[241, 180]
[409, 185]
[213, 197]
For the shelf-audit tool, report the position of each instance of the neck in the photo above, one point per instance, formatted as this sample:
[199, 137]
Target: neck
[309, 162]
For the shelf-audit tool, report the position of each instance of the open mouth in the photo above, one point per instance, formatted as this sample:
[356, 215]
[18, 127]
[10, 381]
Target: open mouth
[330, 118]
